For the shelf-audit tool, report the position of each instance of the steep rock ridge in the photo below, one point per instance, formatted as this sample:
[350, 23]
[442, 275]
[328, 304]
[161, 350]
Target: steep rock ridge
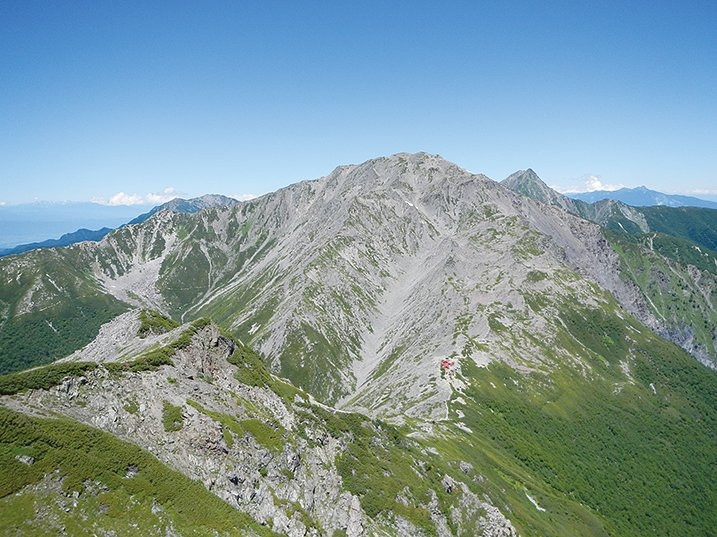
[604, 212]
[267, 453]
[527, 183]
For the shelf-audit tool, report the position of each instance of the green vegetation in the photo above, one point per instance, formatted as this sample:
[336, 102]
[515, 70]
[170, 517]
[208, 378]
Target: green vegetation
[153, 322]
[269, 436]
[43, 378]
[84, 456]
[683, 251]
[298, 362]
[693, 223]
[250, 367]
[673, 292]
[252, 371]
[602, 453]
[172, 417]
[535, 276]
[38, 338]
[390, 473]
[132, 406]
[50, 306]
[528, 245]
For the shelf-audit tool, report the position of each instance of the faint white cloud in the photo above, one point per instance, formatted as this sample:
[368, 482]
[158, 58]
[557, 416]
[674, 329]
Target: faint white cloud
[124, 199]
[591, 183]
[243, 197]
[3, 203]
[153, 198]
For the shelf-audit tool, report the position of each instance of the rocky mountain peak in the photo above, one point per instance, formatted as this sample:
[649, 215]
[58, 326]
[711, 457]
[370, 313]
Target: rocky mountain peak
[502, 331]
[526, 181]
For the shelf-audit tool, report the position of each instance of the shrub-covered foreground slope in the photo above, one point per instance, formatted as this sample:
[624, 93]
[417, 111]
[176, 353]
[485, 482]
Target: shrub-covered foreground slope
[61, 477]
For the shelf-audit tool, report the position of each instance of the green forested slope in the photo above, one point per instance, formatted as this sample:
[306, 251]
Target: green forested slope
[693, 223]
[50, 305]
[632, 439]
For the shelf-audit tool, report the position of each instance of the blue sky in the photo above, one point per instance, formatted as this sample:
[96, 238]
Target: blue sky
[98, 98]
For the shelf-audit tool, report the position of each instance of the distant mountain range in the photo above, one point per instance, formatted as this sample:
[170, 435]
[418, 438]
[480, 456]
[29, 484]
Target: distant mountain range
[177, 205]
[38, 221]
[80, 235]
[642, 196]
[193, 205]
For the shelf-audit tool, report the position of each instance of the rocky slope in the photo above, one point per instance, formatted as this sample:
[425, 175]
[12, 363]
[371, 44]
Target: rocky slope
[382, 269]
[213, 412]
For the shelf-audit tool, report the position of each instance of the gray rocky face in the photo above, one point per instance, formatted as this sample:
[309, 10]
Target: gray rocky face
[358, 284]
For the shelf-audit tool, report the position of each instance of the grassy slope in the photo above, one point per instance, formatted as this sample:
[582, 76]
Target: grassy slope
[672, 291]
[696, 224]
[601, 455]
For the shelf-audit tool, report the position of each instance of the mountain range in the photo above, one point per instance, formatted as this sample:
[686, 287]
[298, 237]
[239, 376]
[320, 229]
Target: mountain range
[400, 347]
[38, 221]
[177, 205]
[642, 196]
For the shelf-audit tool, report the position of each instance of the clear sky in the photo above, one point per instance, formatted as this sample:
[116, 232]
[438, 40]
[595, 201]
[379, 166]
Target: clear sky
[98, 98]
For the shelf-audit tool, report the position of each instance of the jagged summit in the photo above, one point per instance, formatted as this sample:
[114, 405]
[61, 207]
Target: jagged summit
[527, 183]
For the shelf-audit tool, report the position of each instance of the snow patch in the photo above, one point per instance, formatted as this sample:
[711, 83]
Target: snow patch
[463, 427]
[532, 500]
[53, 282]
